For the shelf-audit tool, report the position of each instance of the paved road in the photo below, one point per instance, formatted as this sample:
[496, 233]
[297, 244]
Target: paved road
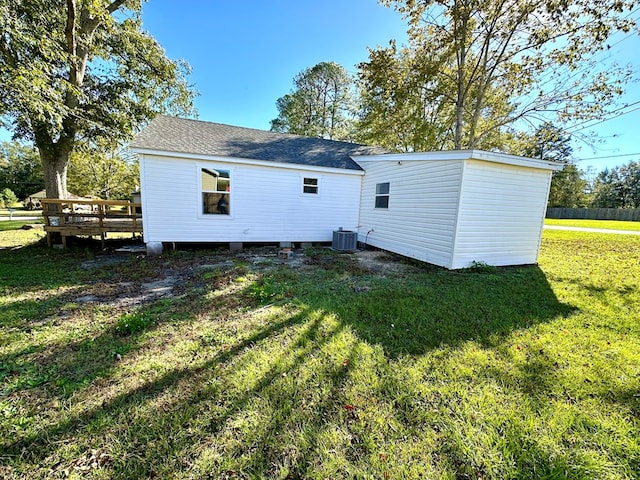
[595, 230]
[21, 219]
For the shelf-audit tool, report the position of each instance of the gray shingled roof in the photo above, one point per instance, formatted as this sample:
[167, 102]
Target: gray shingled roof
[179, 135]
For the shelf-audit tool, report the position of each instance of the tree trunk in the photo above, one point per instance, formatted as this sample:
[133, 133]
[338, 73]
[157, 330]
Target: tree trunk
[55, 174]
[461, 96]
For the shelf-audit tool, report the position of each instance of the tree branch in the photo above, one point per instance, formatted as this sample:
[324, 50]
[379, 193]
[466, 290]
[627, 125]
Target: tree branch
[70, 36]
[115, 5]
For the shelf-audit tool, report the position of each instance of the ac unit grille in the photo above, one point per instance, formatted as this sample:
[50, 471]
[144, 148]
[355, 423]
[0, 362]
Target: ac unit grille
[345, 240]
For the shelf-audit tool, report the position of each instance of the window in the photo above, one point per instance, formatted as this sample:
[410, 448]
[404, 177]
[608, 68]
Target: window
[216, 188]
[310, 185]
[382, 195]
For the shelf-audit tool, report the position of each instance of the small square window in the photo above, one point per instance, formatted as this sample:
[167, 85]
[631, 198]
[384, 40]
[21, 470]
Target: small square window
[310, 185]
[382, 195]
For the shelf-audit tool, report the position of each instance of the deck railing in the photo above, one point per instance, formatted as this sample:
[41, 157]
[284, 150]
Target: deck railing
[90, 218]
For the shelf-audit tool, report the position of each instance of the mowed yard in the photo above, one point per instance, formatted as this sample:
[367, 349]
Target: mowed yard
[337, 367]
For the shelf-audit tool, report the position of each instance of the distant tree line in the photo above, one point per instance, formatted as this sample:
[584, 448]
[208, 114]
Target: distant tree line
[571, 187]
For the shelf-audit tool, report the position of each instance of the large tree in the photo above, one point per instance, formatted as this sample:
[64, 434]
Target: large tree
[320, 105]
[81, 71]
[406, 105]
[397, 113]
[496, 64]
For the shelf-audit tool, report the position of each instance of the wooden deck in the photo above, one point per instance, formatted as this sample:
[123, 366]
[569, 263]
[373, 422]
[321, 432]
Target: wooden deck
[90, 218]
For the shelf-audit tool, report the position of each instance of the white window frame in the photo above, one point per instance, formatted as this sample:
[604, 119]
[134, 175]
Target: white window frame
[382, 195]
[200, 190]
[303, 184]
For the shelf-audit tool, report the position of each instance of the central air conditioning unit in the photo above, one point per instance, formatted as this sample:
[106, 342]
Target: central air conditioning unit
[345, 241]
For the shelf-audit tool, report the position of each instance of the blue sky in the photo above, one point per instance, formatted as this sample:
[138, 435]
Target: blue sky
[245, 53]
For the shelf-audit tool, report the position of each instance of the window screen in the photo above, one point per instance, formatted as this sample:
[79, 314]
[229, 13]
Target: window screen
[310, 185]
[382, 195]
[216, 188]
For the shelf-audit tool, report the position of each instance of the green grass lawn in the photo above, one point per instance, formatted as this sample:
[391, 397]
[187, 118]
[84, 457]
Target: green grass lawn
[11, 225]
[607, 224]
[331, 370]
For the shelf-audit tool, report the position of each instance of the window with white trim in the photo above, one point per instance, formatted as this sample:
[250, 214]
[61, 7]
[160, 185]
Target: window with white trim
[216, 191]
[310, 185]
[382, 195]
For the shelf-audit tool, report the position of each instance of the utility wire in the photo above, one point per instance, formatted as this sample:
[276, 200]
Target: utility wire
[573, 128]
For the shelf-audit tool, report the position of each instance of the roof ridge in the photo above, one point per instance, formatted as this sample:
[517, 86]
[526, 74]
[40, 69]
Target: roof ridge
[267, 132]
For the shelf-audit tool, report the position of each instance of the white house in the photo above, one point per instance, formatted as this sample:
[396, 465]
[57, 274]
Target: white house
[208, 182]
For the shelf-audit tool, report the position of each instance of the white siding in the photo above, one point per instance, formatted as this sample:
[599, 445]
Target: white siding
[267, 203]
[501, 213]
[423, 200]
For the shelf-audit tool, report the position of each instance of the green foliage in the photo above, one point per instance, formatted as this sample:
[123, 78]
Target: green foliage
[481, 267]
[83, 70]
[133, 322]
[93, 173]
[398, 111]
[320, 105]
[549, 143]
[618, 187]
[568, 186]
[20, 169]
[7, 198]
[473, 71]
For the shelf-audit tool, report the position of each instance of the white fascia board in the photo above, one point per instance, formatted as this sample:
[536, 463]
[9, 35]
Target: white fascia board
[245, 161]
[449, 155]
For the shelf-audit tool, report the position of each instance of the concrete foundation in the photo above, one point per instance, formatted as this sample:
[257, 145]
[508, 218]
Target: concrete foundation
[235, 247]
[154, 248]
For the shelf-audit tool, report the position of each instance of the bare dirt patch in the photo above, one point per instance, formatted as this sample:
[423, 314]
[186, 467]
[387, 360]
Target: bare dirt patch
[382, 263]
[138, 280]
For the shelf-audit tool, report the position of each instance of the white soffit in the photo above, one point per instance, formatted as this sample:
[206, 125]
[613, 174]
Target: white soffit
[450, 155]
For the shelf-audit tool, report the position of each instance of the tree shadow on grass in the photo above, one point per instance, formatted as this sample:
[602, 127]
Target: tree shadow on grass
[190, 397]
[201, 394]
[442, 308]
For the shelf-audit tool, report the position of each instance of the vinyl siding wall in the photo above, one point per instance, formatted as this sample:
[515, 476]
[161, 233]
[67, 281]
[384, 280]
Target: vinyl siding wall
[501, 216]
[266, 203]
[423, 200]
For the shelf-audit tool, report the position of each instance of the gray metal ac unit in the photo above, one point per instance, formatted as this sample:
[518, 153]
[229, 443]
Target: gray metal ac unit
[345, 241]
